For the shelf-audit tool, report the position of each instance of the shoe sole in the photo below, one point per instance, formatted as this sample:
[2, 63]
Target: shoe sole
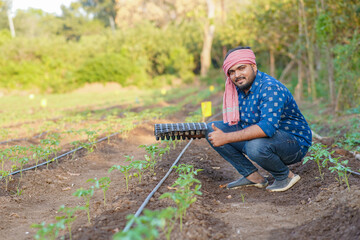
[294, 180]
[258, 185]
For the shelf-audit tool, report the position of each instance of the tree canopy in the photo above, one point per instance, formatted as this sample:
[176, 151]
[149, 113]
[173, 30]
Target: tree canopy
[312, 46]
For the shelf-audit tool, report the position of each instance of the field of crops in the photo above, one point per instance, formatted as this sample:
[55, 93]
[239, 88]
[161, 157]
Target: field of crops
[80, 165]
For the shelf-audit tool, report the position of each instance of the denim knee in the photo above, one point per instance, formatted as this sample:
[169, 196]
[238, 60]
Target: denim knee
[257, 150]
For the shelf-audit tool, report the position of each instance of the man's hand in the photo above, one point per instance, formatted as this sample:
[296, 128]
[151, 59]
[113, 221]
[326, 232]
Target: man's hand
[218, 137]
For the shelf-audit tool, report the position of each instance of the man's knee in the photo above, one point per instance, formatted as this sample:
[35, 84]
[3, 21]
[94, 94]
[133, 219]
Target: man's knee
[257, 149]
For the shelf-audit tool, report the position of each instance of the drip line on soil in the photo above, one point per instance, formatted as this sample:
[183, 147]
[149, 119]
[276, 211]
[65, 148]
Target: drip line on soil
[143, 205]
[58, 157]
[65, 154]
[350, 171]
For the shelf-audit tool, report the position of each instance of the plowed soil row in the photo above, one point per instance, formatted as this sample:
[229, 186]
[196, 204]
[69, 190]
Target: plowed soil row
[312, 209]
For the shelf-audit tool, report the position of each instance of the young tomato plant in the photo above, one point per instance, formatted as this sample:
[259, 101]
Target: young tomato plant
[168, 214]
[76, 144]
[318, 152]
[37, 153]
[150, 163]
[153, 150]
[146, 226]
[167, 147]
[103, 183]
[47, 149]
[69, 217]
[91, 137]
[49, 231]
[342, 171]
[21, 158]
[186, 188]
[139, 165]
[55, 139]
[124, 170]
[5, 174]
[86, 194]
[110, 129]
[4, 156]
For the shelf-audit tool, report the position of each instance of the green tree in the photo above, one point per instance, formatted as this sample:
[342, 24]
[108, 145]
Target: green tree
[104, 10]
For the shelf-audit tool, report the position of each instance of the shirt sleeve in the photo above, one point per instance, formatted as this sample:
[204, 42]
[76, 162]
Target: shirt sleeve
[272, 102]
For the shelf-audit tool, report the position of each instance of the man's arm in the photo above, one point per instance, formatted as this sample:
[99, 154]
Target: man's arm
[219, 138]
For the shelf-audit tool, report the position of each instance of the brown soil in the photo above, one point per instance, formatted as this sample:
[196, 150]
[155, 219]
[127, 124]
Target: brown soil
[312, 209]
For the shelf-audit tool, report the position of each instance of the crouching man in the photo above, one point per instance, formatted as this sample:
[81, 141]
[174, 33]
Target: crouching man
[260, 120]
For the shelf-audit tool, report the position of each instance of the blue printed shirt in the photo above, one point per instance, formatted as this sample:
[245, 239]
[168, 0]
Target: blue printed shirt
[271, 106]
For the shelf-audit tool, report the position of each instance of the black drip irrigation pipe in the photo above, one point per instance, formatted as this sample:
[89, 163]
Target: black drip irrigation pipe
[58, 157]
[138, 212]
[64, 154]
[350, 171]
[143, 205]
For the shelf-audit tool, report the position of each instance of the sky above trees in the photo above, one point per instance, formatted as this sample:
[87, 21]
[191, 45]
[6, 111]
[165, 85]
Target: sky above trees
[50, 6]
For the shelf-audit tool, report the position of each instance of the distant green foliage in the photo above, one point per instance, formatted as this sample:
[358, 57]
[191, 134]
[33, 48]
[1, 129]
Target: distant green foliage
[111, 67]
[143, 56]
[347, 72]
[5, 36]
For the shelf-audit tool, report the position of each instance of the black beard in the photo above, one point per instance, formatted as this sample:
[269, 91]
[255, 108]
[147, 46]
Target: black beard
[246, 86]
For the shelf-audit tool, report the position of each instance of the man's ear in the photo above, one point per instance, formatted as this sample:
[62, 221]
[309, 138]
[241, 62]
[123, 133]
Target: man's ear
[254, 66]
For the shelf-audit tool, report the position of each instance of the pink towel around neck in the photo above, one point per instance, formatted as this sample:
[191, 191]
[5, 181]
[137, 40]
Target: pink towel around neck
[231, 112]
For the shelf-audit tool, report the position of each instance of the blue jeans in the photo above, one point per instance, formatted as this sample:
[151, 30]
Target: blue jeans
[272, 154]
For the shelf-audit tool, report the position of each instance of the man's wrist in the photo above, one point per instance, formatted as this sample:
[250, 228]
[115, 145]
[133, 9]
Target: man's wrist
[230, 137]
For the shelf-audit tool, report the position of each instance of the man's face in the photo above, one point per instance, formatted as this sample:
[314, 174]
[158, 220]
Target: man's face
[243, 75]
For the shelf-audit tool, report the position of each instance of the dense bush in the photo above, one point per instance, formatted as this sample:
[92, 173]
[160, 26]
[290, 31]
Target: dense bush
[144, 55]
[112, 67]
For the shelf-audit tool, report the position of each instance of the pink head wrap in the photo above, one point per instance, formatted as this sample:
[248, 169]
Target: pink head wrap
[230, 101]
